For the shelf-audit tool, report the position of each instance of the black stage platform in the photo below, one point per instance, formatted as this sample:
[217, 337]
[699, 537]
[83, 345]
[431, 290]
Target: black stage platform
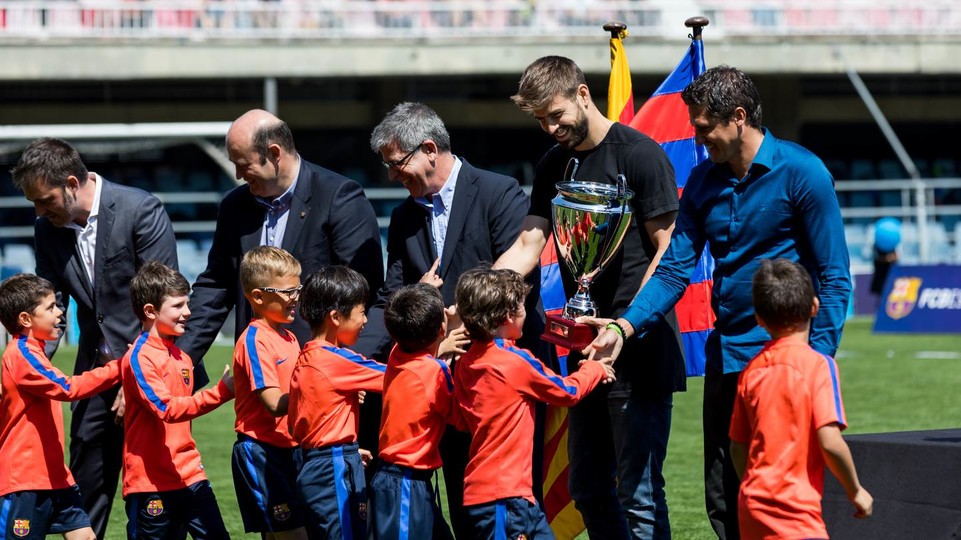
[915, 478]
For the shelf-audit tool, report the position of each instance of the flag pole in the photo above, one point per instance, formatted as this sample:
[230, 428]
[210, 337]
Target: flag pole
[615, 28]
[696, 24]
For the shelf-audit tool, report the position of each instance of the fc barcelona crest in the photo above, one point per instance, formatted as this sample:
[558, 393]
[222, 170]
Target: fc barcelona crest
[185, 375]
[281, 512]
[903, 297]
[21, 527]
[155, 507]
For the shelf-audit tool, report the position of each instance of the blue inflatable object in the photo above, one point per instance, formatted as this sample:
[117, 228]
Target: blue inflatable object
[887, 234]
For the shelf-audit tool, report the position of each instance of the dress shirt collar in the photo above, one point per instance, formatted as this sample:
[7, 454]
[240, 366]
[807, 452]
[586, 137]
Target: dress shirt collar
[94, 208]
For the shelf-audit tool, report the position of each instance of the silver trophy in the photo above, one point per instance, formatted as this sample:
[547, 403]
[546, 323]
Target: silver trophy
[590, 221]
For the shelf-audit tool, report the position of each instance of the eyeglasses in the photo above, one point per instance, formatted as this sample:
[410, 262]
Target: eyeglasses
[292, 293]
[399, 163]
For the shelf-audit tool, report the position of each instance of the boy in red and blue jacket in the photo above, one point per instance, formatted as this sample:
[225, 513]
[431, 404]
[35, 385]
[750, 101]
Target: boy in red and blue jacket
[266, 460]
[417, 405]
[164, 484]
[324, 404]
[496, 386]
[38, 495]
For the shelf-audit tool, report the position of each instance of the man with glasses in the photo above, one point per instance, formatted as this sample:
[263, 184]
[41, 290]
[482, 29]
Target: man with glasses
[456, 218]
[319, 216]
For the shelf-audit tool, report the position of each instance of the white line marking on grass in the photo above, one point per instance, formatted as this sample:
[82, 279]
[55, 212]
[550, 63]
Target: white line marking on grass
[939, 355]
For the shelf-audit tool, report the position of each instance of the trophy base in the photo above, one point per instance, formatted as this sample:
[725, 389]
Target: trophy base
[566, 333]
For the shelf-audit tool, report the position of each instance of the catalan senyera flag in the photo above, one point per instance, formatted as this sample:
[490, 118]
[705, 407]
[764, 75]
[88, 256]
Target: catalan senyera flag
[564, 519]
[665, 119]
[620, 96]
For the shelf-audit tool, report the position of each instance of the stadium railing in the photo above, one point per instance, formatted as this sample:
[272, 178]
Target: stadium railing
[379, 19]
[862, 203]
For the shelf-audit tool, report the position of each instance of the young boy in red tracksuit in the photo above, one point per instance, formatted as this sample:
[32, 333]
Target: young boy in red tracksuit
[323, 404]
[788, 417]
[265, 459]
[38, 495]
[496, 386]
[417, 404]
[164, 484]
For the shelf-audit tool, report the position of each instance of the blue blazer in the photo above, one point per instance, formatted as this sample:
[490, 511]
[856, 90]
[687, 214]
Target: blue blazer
[330, 222]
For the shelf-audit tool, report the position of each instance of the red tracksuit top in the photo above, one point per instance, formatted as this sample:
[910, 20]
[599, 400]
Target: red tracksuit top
[417, 404]
[323, 404]
[263, 358]
[495, 387]
[159, 453]
[31, 418]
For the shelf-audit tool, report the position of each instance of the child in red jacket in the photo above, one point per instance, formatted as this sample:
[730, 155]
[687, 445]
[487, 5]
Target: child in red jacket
[164, 484]
[496, 386]
[788, 417]
[39, 494]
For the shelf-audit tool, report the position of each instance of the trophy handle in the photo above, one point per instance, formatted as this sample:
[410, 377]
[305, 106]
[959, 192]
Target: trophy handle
[572, 167]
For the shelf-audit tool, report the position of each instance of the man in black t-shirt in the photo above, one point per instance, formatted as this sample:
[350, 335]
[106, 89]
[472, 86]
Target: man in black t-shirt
[618, 435]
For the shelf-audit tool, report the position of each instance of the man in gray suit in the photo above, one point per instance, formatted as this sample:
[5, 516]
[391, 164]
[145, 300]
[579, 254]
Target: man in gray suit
[91, 236]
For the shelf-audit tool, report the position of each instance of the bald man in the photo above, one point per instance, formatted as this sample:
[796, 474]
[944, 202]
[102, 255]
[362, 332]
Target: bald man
[319, 216]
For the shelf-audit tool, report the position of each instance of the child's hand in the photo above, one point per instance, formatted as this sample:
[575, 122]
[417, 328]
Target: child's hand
[365, 456]
[453, 318]
[228, 379]
[361, 396]
[863, 504]
[118, 408]
[608, 370]
[456, 343]
[431, 277]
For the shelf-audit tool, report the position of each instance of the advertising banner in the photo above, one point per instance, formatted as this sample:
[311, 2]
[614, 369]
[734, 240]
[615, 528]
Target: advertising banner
[921, 299]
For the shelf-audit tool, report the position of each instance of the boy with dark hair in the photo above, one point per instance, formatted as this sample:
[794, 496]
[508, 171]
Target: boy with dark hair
[788, 416]
[164, 483]
[495, 387]
[265, 458]
[323, 407]
[417, 403]
[39, 495]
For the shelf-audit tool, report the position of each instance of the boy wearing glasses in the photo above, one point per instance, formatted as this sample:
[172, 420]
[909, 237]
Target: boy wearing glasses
[264, 458]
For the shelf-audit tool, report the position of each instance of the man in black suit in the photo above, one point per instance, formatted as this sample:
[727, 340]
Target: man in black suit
[456, 218]
[319, 216]
[91, 237]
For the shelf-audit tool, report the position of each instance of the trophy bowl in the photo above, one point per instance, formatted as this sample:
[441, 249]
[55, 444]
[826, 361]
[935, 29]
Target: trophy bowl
[590, 221]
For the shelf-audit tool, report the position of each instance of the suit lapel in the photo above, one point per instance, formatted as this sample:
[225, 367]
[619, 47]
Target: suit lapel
[420, 246]
[105, 218]
[464, 194]
[299, 208]
[67, 243]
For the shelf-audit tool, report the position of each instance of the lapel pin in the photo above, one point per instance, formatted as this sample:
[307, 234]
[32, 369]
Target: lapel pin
[303, 214]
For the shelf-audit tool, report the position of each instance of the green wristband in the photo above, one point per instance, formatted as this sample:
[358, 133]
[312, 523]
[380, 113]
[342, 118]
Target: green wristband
[613, 325]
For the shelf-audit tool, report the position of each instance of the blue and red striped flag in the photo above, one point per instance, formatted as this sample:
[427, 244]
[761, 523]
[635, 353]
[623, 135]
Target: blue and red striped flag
[665, 119]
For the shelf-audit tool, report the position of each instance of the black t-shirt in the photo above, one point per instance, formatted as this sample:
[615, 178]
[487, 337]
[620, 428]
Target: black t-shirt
[654, 364]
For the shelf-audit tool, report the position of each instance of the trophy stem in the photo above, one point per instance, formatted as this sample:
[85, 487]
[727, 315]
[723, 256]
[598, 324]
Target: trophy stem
[582, 303]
